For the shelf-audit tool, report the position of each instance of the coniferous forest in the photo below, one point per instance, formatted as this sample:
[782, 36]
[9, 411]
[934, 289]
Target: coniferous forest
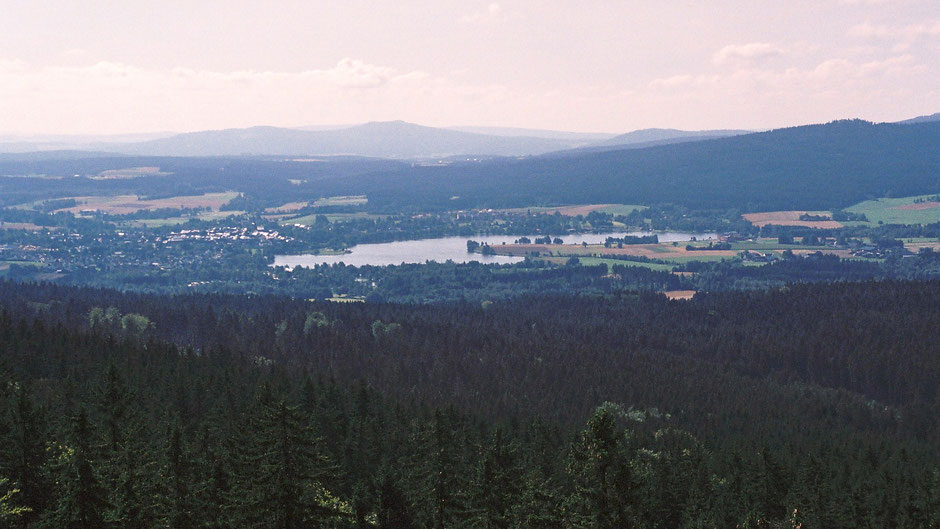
[810, 406]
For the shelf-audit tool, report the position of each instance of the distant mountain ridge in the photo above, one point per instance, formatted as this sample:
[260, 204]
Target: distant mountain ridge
[921, 119]
[647, 136]
[823, 167]
[390, 139]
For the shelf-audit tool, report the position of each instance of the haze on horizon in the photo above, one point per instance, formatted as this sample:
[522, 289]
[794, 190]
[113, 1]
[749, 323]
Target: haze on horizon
[109, 67]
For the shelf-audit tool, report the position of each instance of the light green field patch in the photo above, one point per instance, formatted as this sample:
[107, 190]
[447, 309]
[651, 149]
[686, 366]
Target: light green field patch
[622, 209]
[129, 172]
[344, 299]
[760, 245]
[5, 265]
[898, 210]
[309, 220]
[690, 257]
[356, 200]
[594, 261]
[207, 216]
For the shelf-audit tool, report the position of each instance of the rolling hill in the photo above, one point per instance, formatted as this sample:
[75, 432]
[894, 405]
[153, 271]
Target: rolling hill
[663, 136]
[811, 167]
[393, 139]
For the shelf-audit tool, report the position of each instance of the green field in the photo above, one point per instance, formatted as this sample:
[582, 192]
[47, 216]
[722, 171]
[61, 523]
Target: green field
[208, 216]
[622, 209]
[885, 211]
[5, 265]
[308, 220]
[594, 261]
[358, 200]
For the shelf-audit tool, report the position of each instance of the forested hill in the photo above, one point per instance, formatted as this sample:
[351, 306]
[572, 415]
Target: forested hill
[810, 167]
[811, 407]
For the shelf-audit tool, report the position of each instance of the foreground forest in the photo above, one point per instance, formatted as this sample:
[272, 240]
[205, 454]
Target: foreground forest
[810, 406]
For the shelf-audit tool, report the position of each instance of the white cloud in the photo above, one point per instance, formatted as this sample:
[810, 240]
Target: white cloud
[908, 32]
[118, 97]
[752, 51]
[492, 13]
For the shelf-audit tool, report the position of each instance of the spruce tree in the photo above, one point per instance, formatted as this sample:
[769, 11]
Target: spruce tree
[82, 501]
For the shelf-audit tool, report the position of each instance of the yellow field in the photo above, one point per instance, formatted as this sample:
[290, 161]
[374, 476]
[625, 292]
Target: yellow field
[124, 204]
[791, 218]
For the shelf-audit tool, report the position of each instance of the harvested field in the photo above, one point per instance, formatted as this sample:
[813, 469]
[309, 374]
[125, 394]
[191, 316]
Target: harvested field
[679, 294]
[28, 226]
[130, 172]
[287, 208]
[919, 206]
[574, 211]
[124, 204]
[791, 218]
[843, 253]
[353, 200]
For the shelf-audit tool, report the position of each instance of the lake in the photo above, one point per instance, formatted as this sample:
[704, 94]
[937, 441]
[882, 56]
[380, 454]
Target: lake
[454, 249]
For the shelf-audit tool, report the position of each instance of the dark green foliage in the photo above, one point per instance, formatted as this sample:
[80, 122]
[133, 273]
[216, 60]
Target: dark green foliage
[816, 402]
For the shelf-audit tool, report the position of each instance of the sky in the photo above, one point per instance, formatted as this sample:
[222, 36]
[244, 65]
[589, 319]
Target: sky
[114, 66]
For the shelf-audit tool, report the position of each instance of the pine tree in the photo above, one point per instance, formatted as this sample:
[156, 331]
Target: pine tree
[394, 511]
[23, 461]
[599, 466]
[495, 488]
[82, 501]
[178, 500]
[283, 471]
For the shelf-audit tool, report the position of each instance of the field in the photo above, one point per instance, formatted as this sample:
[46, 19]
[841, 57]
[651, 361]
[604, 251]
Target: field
[679, 294]
[594, 254]
[574, 211]
[653, 251]
[791, 218]
[207, 216]
[125, 204]
[28, 226]
[308, 220]
[287, 208]
[284, 211]
[131, 172]
[899, 210]
[357, 200]
[594, 261]
[5, 265]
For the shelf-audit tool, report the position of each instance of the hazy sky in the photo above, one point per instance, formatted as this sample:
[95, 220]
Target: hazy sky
[116, 66]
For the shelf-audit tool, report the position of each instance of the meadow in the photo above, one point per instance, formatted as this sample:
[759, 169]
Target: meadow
[906, 210]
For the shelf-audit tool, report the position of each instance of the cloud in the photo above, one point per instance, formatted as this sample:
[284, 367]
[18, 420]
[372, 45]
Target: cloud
[492, 13]
[118, 97]
[827, 89]
[753, 51]
[909, 32]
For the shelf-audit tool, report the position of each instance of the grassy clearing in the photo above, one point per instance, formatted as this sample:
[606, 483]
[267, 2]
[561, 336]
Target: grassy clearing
[344, 299]
[898, 210]
[680, 294]
[309, 220]
[208, 216]
[622, 209]
[28, 226]
[126, 204]
[575, 210]
[130, 172]
[791, 218]
[594, 261]
[5, 265]
[357, 200]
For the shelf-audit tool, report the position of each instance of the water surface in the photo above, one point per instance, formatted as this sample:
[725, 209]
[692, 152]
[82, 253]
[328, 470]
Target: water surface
[454, 249]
